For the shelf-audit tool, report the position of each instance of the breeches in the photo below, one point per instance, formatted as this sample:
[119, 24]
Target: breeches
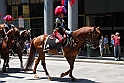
[59, 36]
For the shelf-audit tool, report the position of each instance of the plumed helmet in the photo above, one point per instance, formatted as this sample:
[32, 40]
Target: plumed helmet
[60, 10]
[8, 18]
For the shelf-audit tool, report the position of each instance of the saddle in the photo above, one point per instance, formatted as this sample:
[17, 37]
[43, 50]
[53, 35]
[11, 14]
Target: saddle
[51, 44]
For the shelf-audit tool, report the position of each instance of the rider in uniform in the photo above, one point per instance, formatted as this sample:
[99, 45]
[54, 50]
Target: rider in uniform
[61, 28]
[8, 23]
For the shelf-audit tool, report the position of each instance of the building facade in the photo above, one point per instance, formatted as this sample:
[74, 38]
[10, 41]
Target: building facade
[39, 15]
[108, 14]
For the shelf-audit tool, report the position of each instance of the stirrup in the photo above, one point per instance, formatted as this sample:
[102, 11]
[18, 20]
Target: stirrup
[46, 47]
[60, 52]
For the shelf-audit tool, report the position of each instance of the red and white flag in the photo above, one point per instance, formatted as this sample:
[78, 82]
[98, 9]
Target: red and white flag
[64, 2]
[72, 2]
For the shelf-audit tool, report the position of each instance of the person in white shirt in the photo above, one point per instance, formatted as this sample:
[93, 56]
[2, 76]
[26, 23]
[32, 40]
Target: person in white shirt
[106, 45]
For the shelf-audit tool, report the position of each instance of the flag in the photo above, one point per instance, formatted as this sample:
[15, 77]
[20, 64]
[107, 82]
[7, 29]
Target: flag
[72, 2]
[64, 2]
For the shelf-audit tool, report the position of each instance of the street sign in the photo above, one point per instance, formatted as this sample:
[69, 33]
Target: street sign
[21, 22]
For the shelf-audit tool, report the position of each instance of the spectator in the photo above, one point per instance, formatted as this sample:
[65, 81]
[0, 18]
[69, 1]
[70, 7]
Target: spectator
[101, 45]
[27, 44]
[117, 47]
[112, 44]
[106, 45]
[28, 48]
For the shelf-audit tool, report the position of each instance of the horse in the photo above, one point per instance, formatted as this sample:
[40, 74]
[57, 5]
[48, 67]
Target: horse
[18, 45]
[6, 44]
[70, 50]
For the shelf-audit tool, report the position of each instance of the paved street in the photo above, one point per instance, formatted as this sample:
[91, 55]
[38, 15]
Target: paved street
[84, 72]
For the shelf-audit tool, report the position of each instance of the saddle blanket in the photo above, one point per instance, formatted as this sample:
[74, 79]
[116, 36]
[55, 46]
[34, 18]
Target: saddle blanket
[51, 44]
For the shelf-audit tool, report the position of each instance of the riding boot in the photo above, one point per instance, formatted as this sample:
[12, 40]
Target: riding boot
[60, 52]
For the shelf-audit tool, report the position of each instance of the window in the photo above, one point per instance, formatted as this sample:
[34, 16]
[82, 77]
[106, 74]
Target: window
[8, 2]
[37, 1]
[41, 1]
[13, 2]
[17, 2]
[32, 1]
[15, 11]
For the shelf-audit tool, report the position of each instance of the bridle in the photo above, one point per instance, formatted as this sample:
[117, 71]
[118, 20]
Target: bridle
[25, 35]
[91, 41]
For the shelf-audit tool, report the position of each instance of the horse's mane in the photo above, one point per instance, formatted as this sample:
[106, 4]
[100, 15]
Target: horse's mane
[14, 30]
[21, 32]
[81, 32]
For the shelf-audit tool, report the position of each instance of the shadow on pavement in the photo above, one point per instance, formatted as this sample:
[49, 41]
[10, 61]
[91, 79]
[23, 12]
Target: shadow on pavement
[11, 70]
[67, 80]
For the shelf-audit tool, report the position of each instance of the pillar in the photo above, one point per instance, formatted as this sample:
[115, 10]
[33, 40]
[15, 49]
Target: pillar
[90, 21]
[48, 16]
[73, 15]
[87, 21]
[2, 10]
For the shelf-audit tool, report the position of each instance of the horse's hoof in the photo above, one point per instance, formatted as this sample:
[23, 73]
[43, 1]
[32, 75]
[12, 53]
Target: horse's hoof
[73, 79]
[25, 71]
[62, 75]
[22, 68]
[50, 79]
[7, 69]
[36, 76]
[4, 70]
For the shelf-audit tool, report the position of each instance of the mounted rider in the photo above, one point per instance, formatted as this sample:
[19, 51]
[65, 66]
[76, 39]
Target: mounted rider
[61, 28]
[8, 23]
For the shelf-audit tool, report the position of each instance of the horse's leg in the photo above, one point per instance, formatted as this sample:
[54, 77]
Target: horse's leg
[4, 66]
[7, 60]
[19, 52]
[42, 58]
[45, 69]
[20, 57]
[35, 67]
[70, 60]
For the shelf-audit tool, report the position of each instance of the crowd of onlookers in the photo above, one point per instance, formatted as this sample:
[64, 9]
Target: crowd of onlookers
[115, 44]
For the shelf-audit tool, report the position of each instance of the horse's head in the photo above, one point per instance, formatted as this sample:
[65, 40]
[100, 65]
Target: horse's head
[2, 33]
[88, 35]
[25, 35]
[92, 37]
[13, 33]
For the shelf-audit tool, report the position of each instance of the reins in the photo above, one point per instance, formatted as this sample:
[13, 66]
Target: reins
[89, 41]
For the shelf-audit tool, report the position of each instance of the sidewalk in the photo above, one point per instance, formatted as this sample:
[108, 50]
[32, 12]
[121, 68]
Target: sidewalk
[103, 60]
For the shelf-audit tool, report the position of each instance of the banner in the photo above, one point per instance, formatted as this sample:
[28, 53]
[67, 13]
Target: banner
[64, 2]
[72, 2]
[21, 22]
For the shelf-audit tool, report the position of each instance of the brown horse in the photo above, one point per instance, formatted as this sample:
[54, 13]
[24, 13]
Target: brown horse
[6, 44]
[70, 51]
[18, 45]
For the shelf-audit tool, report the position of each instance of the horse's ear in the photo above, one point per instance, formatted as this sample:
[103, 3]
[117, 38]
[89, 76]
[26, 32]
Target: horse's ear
[29, 31]
[98, 27]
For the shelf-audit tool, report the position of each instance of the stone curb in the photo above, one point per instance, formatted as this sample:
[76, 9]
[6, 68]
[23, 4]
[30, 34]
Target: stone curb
[88, 60]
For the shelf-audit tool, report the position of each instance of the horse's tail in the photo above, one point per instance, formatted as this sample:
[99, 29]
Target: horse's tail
[31, 57]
